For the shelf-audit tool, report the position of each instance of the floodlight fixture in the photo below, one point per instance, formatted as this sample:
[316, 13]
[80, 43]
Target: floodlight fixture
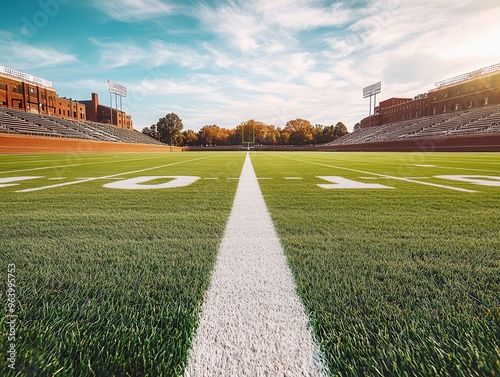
[372, 90]
[118, 89]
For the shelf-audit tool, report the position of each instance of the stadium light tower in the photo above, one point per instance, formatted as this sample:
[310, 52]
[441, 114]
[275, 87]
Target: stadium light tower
[372, 90]
[118, 90]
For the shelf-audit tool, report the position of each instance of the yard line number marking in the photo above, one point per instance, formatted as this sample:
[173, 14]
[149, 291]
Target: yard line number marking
[112, 176]
[7, 182]
[174, 181]
[134, 183]
[383, 175]
[344, 183]
[483, 180]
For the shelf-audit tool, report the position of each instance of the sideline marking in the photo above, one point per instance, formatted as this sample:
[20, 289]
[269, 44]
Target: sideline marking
[383, 175]
[252, 323]
[112, 176]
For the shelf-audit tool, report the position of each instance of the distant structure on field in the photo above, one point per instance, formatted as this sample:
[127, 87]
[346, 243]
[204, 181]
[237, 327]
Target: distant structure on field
[22, 91]
[468, 91]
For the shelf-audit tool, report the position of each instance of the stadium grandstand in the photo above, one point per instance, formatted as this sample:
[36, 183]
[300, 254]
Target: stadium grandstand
[30, 106]
[22, 122]
[471, 122]
[461, 113]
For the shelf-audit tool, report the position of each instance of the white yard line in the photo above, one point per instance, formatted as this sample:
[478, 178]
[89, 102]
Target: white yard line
[252, 323]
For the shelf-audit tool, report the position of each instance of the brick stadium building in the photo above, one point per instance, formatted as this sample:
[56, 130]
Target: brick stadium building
[25, 92]
[465, 92]
[102, 114]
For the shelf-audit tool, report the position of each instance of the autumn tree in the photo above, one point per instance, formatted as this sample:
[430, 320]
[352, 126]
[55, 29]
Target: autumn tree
[260, 131]
[327, 134]
[208, 134]
[190, 137]
[215, 135]
[170, 129]
[301, 131]
[296, 132]
[340, 130]
[227, 136]
[319, 137]
[236, 136]
[248, 130]
[272, 135]
[283, 136]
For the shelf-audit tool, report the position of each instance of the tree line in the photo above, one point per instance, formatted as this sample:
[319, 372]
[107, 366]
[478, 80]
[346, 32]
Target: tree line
[169, 130]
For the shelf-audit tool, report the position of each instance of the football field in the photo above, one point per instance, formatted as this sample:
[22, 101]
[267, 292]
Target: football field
[106, 259]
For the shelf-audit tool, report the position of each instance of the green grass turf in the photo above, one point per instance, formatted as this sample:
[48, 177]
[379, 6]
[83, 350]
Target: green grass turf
[109, 282]
[401, 281]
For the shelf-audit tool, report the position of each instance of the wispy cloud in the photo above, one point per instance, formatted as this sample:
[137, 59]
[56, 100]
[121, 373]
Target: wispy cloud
[22, 55]
[302, 15]
[194, 84]
[150, 54]
[268, 25]
[134, 10]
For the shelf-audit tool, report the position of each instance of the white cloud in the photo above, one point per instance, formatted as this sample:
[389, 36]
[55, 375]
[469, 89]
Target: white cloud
[302, 15]
[268, 26]
[154, 53]
[237, 25]
[194, 85]
[134, 10]
[21, 55]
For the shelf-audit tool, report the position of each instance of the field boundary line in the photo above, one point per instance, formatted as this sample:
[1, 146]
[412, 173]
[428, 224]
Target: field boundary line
[111, 176]
[383, 175]
[253, 323]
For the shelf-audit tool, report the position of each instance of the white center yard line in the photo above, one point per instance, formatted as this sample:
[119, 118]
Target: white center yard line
[384, 175]
[252, 323]
[110, 176]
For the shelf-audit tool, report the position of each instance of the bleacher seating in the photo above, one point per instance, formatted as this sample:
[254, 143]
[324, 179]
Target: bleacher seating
[484, 120]
[22, 122]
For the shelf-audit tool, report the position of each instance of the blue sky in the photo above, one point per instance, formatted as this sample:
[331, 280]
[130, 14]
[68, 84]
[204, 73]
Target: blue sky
[226, 61]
